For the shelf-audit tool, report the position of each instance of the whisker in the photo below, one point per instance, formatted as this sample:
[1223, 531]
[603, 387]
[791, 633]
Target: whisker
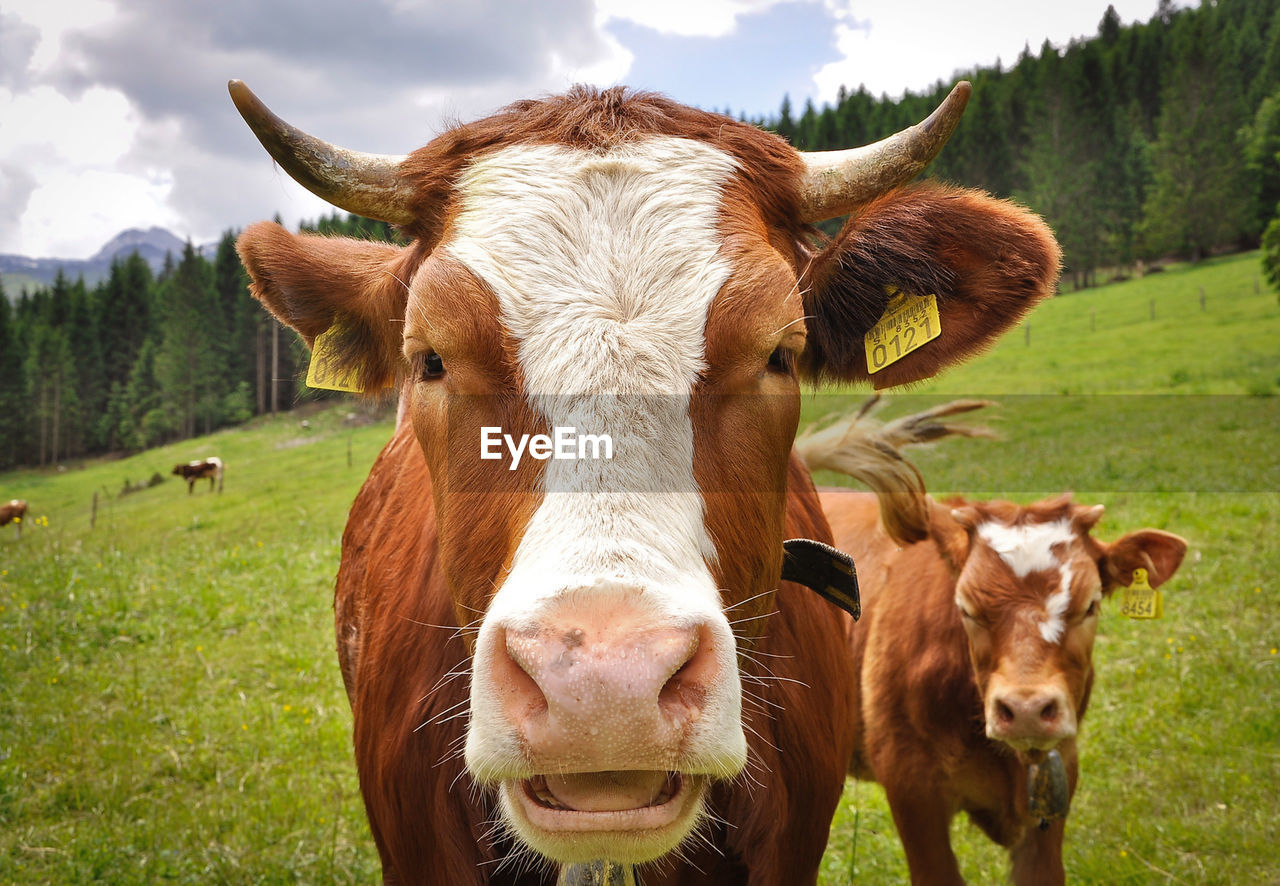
[797, 320]
[748, 618]
[734, 606]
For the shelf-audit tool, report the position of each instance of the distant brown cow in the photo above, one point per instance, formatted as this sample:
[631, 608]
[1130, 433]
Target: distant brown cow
[210, 468]
[974, 659]
[13, 512]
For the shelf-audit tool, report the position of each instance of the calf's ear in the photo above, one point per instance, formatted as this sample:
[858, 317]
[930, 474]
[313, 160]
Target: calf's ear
[313, 283]
[987, 261]
[1160, 553]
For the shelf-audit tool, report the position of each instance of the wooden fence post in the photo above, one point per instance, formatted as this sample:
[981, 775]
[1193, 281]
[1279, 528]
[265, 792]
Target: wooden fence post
[93, 514]
[1202, 298]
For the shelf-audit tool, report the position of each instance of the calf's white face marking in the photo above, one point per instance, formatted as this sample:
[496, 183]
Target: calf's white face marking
[1030, 548]
[604, 266]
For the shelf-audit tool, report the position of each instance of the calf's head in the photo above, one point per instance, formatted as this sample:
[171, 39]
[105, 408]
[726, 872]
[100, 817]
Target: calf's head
[622, 265]
[1029, 586]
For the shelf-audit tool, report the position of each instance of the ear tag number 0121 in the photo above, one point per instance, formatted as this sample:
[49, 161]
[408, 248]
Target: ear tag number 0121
[909, 322]
[323, 371]
[1140, 600]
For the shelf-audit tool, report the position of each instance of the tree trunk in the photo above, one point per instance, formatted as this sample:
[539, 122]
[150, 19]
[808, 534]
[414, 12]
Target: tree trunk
[57, 414]
[275, 366]
[44, 422]
[260, 356]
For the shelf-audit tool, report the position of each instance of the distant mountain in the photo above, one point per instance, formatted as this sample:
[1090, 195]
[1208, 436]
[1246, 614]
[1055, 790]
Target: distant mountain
[18, 272]
[152, 244]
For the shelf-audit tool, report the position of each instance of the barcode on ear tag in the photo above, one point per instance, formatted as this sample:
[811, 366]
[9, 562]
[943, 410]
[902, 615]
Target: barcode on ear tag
[909, 322]
[324, 370]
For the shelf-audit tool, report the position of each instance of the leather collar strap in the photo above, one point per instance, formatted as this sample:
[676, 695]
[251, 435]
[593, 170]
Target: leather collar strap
[826, 570]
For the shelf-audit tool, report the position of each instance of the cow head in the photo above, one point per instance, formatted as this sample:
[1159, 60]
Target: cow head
[623, 265]
[1029, 586]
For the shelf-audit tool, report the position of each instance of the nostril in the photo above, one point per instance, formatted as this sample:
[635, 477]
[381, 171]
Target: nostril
[685, 692]
[1004, 713]
[1049, 712]
[511, 664]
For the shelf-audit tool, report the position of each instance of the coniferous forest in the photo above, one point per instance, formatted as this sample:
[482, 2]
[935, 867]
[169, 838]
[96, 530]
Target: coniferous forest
[1144, 143]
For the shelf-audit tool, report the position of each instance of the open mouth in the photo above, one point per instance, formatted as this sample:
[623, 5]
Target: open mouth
[616, 800]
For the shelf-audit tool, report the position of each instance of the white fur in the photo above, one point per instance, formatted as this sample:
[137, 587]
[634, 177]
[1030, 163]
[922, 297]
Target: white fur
[1055, 608]
[1027, 548]
[604, 266]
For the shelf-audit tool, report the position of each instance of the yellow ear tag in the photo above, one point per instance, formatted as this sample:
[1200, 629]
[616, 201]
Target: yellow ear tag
[324, 372]
[909, 322]
[1140, 600]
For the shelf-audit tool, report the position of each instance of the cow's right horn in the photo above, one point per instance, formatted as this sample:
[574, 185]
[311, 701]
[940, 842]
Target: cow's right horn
[366, 184]
[838, 182]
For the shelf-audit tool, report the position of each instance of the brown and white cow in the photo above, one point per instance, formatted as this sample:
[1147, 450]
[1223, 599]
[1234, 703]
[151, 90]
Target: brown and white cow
[201, 469]
[567, 660]
[13, 512]
[974, 660]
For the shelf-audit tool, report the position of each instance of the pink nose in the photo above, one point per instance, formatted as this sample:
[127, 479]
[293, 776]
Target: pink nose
[1032, 715]
[603, 689]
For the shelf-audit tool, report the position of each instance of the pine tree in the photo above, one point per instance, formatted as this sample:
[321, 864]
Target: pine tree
[1262, 161]
[187, 365]
[1199, 197]
[90, 390]
[14, 404]
[124, 316]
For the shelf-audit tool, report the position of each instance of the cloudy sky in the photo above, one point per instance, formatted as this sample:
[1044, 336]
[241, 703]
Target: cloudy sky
[114, 113]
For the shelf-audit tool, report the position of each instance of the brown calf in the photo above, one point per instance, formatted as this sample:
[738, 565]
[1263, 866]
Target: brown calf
[13, 512]
[974, 659]
[206, 468]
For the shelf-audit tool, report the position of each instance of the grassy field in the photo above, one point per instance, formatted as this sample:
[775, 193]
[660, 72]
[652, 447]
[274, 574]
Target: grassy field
[171, 708]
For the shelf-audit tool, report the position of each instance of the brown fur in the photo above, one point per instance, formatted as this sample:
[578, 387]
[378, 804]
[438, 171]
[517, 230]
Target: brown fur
[202, 470]
[15, 509]
[434, 529]
[919, 714]
[966, 248]
[399, 637]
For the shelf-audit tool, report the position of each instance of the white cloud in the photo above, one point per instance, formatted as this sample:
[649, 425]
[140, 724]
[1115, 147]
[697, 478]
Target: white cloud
[72, 211]
[54, 19]
[890, 46]
[683, 18]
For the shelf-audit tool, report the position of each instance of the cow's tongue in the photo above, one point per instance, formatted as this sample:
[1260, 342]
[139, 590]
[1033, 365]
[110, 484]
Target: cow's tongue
[604, 791]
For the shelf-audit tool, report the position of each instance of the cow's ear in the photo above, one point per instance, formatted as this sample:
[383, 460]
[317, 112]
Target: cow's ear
[312, 283]
[951, 529]
[986, 261]
[1160, 553]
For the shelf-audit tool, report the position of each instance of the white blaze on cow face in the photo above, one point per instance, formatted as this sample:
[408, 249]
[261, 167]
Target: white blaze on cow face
[1037, 547]
[1027, 548]
[604, 266]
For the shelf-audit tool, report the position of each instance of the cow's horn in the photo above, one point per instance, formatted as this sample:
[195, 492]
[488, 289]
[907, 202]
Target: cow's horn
[838, 182]
[366, 184]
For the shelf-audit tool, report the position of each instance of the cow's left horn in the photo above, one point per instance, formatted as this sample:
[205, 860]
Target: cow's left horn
[838, 182]
[366, 184]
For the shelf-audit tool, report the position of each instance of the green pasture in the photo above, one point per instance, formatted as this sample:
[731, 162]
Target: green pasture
[171, 708]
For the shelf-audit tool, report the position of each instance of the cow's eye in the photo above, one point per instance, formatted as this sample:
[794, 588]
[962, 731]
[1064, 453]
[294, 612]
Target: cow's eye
[432, 366]
[782, 360]
[1092, 610]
